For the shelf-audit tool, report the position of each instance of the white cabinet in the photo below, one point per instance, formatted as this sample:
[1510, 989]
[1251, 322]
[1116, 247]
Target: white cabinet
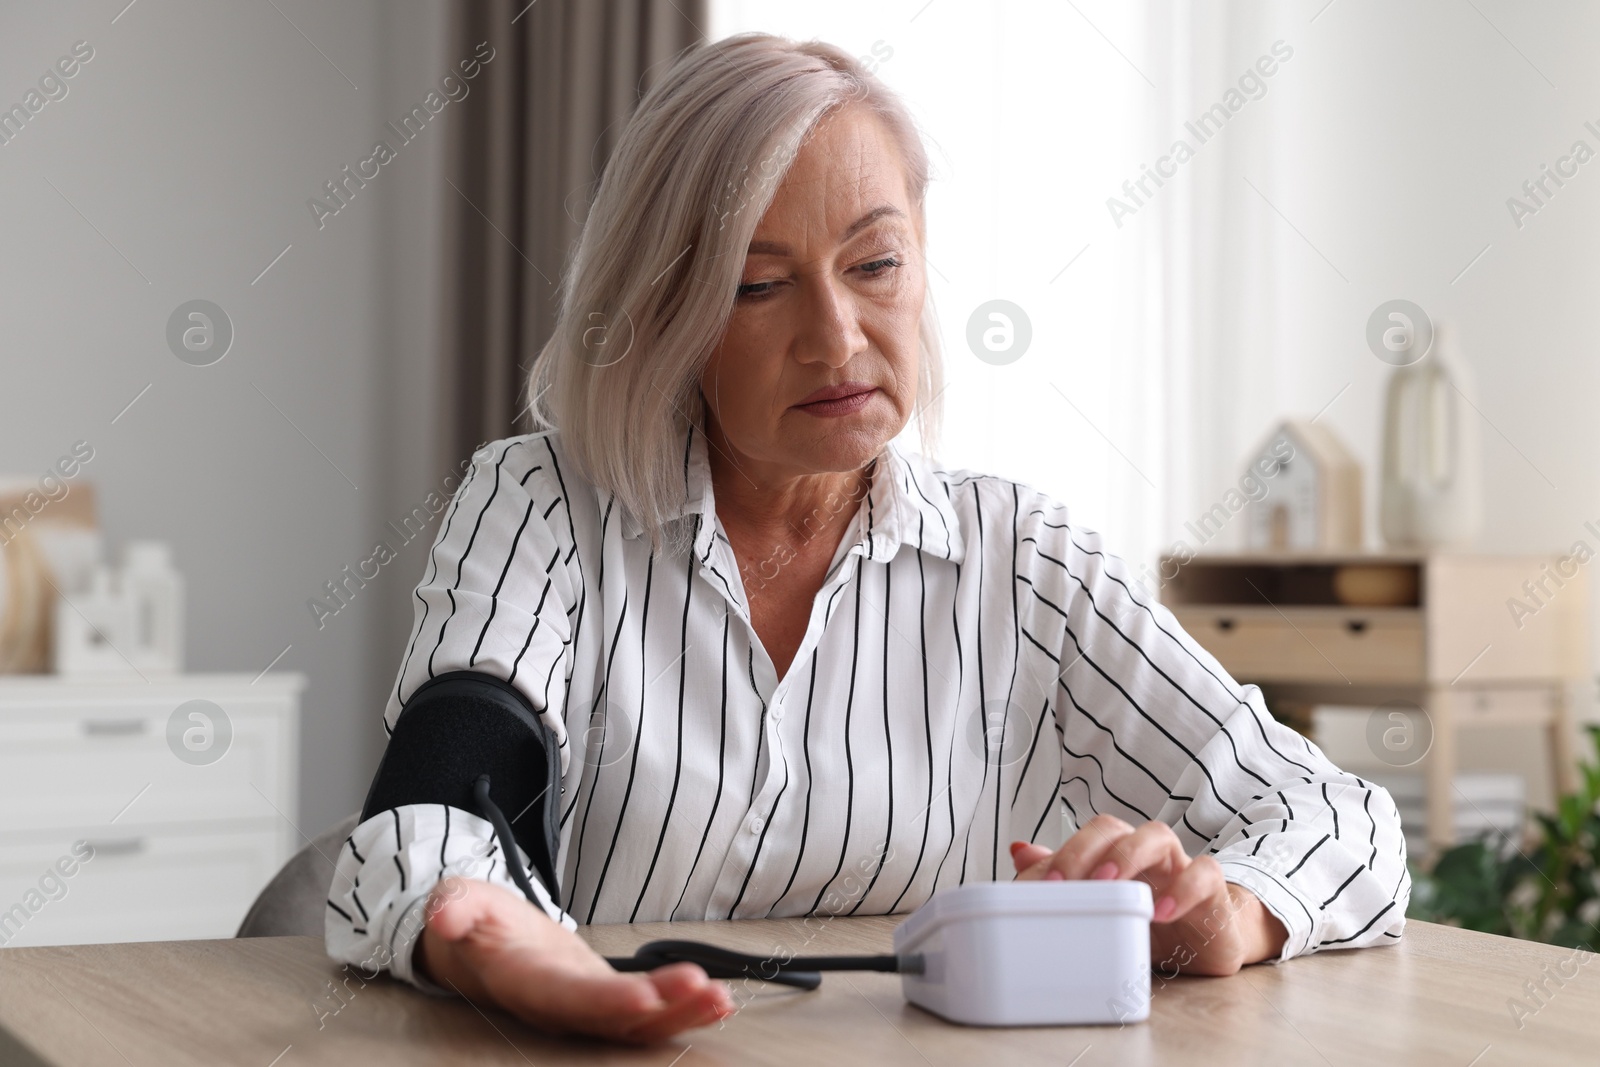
[181, 791]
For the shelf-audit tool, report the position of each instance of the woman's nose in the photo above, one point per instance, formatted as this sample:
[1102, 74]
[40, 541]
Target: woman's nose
[832, 333]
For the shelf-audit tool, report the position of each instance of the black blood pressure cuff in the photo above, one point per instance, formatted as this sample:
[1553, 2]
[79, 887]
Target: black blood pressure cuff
[454, 730]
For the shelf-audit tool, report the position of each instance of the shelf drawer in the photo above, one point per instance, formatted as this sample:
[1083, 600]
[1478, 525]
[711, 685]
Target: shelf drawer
[158, 886]
[1311, 645]
[1505, 707]
[84, 763]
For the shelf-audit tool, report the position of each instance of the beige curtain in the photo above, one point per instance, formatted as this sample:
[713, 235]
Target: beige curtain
[537, 130]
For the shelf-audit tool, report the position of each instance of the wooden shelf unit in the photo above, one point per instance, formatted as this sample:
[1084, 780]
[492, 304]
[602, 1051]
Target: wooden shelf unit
[1455, 649]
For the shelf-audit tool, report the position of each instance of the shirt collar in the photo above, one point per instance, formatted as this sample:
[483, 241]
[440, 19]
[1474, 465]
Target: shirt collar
[907, 504]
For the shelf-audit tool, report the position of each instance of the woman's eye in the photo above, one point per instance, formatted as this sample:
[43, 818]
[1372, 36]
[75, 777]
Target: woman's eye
[880, 266]
[758, 290]
[754, 289]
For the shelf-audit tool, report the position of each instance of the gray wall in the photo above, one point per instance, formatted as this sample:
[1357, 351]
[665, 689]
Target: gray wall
[190, 144]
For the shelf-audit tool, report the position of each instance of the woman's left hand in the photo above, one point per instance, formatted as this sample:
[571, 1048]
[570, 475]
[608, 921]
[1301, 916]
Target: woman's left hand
[1202, 924]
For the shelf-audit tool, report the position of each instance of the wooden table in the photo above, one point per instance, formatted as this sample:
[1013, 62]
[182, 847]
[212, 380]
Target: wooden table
[1438, 997]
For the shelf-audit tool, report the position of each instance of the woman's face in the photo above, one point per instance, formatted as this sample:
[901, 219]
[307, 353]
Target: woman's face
[818, 367]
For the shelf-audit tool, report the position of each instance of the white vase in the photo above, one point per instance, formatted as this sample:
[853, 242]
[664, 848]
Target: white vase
[1432, 483]
[155, 592]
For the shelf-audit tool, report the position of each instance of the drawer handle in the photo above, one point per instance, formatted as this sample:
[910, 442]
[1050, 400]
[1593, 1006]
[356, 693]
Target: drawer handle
[124, 846]
[1356, 626]
[1225, 625]
[113, 727]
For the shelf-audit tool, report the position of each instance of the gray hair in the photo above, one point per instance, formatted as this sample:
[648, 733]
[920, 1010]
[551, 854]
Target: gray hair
[652, 281]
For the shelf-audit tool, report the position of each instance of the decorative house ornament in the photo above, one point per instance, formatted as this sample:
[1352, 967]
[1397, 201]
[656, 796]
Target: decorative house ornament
[1315, 497]
[1432, 490]
[128, 621]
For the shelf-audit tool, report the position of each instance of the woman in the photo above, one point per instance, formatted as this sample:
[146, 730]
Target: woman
[792, 667]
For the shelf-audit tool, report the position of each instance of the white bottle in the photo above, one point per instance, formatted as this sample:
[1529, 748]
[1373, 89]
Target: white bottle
[1432, 484]
[93, 633]
[154, 590]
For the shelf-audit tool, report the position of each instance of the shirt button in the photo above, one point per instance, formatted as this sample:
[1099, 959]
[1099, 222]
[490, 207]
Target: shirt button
[757, 824]
[777, 712]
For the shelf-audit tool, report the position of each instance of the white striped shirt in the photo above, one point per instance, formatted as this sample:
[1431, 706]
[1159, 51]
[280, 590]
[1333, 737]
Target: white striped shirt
[974, 666]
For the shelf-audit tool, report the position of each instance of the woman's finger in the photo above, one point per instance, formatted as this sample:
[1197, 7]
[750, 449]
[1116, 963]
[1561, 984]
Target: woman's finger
[1025, 855]
[1083, 852]
[683, 983]
[1153, 848]
[1198, 883]
[629, 1006]
[691, 1000]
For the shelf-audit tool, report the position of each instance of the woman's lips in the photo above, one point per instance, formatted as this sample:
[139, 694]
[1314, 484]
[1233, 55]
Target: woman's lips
[844, 405]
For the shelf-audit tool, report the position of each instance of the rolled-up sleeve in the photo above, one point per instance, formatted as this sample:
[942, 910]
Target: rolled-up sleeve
[386, 871]
[496, 598]
[1152, 727]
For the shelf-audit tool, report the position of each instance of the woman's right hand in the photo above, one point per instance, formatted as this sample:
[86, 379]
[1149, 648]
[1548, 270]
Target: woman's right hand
[494, 947]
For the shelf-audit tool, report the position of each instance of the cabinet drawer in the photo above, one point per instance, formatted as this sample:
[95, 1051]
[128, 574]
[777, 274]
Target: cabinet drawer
[159, 886]
[82, 763]
[1504, 706]
[1310, 645]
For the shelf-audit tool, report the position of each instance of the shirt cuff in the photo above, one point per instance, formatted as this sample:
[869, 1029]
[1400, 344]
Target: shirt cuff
[1287, 904]
[407, 931]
